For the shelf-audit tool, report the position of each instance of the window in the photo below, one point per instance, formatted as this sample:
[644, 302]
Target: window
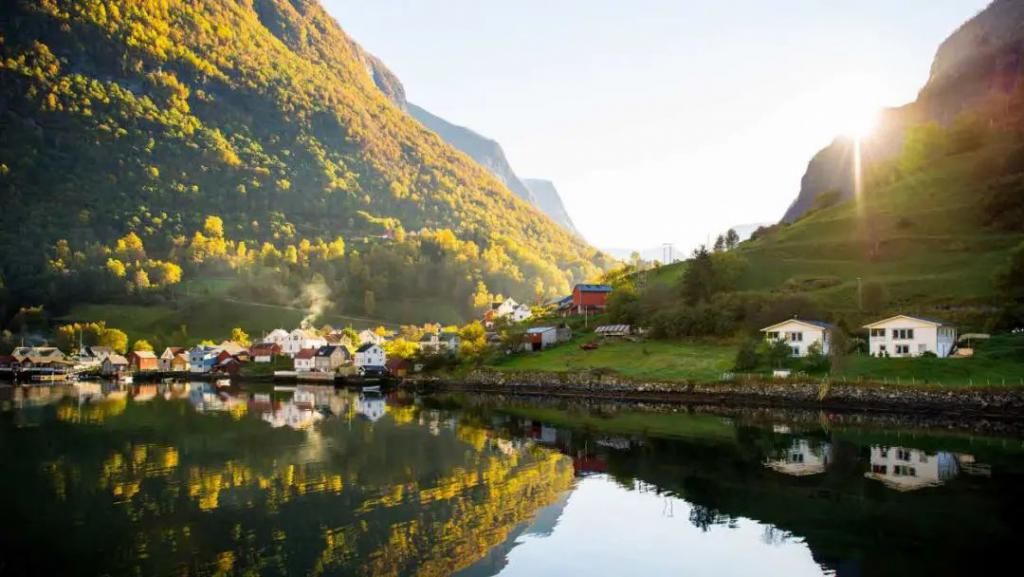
[879, 469]
[904, 471]
[884, 453]
[902, 349]
[795, 337]
[795, 350]
[881, 349]
[878, 333]
[772, 335]
[796, 458]
[903, 334]
[903, 454]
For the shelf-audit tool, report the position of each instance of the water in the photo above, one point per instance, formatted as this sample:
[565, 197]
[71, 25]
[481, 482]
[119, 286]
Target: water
[184, 479]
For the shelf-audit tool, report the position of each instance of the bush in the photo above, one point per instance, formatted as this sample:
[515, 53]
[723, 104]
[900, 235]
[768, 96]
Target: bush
[746, 357]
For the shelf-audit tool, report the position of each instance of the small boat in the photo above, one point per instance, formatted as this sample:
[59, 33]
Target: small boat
[124, 379]
[222, 383]
[371, 389]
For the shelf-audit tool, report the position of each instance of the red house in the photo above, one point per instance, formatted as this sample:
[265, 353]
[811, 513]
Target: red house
[143, 361]
[589, 298]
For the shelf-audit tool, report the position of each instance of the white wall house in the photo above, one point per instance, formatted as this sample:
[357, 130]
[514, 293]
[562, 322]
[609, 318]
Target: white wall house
[800, 335]
[512, 310]
[301, 339]
[370, 355]
[277, 337]
[906, 469]
[801, 459]
[305, 360]
[906, 336]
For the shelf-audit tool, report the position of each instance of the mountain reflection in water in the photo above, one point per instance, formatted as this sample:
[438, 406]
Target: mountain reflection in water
[185, 478]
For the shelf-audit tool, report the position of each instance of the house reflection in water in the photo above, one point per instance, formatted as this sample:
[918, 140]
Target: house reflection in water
[371, 406]
[905, 469]
[802, 458]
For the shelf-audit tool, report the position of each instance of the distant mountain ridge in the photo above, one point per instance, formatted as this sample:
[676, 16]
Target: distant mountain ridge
[980, 61]
[546, 198]
[485, 151]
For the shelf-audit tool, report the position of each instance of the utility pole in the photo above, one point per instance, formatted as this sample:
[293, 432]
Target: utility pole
[860, 295]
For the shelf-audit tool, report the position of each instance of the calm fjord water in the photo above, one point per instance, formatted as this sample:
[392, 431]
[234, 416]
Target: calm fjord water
[185, 479]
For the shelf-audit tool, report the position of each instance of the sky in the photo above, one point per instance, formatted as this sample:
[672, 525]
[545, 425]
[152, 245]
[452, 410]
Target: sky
[658, 120]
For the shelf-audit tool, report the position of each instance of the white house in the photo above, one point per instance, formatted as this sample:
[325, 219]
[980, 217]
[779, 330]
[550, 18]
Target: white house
[436, 343]
[370, 355]
[305, 360]
[301, 339]
[201, 359]
[277, 337]
[800, 335]
[906, 469]
[539, 338]
[511, 310]
[801, 459]
[907, 336]
[167, 357]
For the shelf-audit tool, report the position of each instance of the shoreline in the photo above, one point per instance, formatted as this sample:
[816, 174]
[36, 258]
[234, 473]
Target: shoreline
[981, 403]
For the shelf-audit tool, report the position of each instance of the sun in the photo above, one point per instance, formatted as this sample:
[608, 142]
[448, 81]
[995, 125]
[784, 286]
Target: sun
[860, 122]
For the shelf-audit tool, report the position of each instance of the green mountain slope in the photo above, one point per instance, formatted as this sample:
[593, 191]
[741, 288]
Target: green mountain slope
[977, 66]
[148, 117]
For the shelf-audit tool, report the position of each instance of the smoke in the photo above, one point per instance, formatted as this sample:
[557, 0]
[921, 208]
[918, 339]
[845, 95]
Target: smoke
[318, 296]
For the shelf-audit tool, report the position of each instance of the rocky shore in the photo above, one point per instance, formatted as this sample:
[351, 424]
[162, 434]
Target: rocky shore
[993, 402]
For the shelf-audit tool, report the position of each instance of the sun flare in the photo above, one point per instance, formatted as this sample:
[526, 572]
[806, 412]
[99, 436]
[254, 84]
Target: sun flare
[860, 124]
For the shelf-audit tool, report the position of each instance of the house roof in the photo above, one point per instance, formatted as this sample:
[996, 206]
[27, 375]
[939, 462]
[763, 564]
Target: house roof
[328, 350]
[594, 288]
[538, 330]
[612, 329]
[265, 348]
[144, 354]
[306, 354]
[815, 324]
[937, 323]
[39, 352]
[365, 347]
[116, 360]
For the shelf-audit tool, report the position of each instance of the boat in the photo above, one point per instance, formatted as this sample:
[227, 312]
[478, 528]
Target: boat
[222, 383]
[371, 389]
[124, 379]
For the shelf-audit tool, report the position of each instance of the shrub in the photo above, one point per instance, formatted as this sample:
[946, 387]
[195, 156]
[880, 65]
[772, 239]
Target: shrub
[746, 357]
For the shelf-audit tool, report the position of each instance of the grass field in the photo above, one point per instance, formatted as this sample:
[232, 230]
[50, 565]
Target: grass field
[658, 360]
[924, 239]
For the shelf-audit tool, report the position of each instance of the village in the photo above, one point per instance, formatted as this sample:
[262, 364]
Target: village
[510, 328]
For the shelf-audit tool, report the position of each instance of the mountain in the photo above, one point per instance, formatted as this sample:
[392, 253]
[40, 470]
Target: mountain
[485, 151]
[148, 142]
[547, 199]
[976, 67]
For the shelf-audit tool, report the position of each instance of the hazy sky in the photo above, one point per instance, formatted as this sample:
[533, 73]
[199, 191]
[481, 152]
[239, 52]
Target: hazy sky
[658, 120]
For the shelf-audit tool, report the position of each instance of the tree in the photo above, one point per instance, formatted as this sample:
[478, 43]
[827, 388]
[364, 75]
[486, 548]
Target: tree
[473, 340]
[401, 348]
[746, 357]
[115, 339]
[776, 353]
[142, 345]
[699, 277]
[839, 349]
[369, 302]
[241, 337]
[213, 226]
[731, 239]
[720, 243]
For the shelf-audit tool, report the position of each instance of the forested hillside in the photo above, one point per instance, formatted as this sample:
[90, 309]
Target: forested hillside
[148, 141]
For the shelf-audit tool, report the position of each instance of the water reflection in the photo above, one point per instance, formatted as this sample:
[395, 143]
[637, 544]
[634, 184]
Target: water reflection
[180, 478]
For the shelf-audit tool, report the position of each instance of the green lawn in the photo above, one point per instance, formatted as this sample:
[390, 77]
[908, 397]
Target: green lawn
[657, 360]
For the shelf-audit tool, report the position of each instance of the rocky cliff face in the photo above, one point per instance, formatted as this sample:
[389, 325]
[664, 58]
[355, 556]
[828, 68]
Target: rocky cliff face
[483, 150]
[549, 201]
[978, 63]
